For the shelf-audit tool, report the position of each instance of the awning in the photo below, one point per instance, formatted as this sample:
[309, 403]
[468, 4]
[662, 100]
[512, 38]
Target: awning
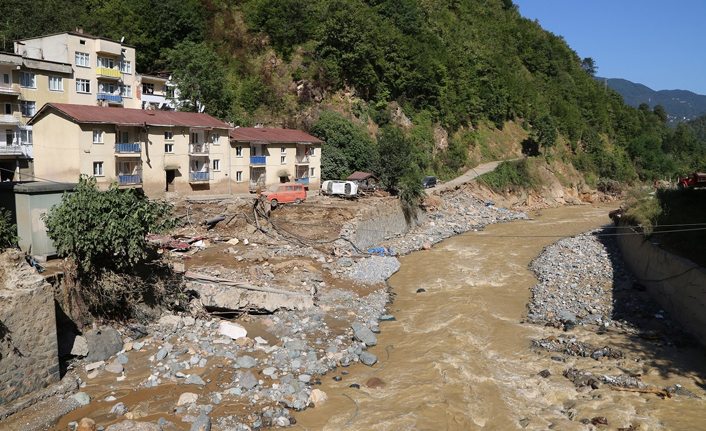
[171, 167]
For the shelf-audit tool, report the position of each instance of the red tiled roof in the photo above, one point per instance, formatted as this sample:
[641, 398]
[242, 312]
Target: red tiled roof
[253, 134]
[131, 117]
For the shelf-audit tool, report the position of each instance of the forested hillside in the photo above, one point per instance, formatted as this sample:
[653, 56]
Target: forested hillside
[398, 87]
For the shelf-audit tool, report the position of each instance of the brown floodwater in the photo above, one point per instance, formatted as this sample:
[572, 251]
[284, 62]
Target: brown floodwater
[458, 357]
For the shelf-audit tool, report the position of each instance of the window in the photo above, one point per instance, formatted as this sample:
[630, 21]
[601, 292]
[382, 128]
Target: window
[106, 88]
[56, 83]
[28, 108]
[125, 66]
[170, 92]
[97, 136]
[125, 90]
[124, 136]
[239, 176]
[8, 108]
[82, 42]
[5, 78]
[147, 88]
[105, 62]
[83, 86]
[215, 137]
[283, 150]
[312, 172]
[216, 165]
[283, 160]
[97, 169]
[83, 59]
[168, 148]
[312, 151]
[168, 136]
[28, 80]
[194, 138]
[26, 136]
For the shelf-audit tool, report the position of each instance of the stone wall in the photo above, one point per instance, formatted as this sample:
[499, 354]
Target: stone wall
[28, 345]
[678, 284]
[376, 223]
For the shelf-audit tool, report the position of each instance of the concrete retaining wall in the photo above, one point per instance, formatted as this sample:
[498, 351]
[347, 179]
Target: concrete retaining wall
[678, 284]
[28, 346]
[377, 223]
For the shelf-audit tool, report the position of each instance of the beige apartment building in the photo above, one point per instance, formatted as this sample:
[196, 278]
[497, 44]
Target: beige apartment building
[26, 84]
[272, 156]
[103, 69]
[163, 152]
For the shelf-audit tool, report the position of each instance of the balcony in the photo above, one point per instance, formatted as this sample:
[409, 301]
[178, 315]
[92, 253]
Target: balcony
[125, 180]
[9, 119]
[257, 160]
[11, 150]
[110, 98]
[11, 89]
[301, 159]
[195, 177]
[128, 148]
[104, 72]
[198, 149]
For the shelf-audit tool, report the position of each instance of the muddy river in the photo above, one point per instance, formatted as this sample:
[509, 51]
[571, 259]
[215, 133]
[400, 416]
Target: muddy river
[457, 357]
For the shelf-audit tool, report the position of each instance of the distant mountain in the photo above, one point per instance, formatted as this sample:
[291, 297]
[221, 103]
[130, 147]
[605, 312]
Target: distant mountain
[681, 105]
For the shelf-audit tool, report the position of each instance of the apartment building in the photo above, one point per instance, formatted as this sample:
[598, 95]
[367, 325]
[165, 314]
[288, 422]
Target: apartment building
[103, 69]
[182, 153]
[157, 91]
[271, 156]
[25, 85]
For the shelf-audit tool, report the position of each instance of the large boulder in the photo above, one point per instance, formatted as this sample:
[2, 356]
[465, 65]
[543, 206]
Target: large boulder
[102, 344]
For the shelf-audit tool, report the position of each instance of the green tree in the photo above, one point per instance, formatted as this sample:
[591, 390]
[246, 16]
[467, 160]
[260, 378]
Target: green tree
[8, 230]
[589, 65]
[105, 229]
[544, 131]
[395, 157]
[201, 79]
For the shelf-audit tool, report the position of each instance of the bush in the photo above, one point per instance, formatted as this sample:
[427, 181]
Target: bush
[8, 230]
[511, 175]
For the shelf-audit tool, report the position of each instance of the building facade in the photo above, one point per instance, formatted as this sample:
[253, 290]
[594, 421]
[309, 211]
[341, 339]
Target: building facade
[163, 152]
[271, 156]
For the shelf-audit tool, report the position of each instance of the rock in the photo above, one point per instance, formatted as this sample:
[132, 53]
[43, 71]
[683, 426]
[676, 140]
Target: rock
[375, 383]
[102, 344]
[80, 347]
[164, 351]
[202, 423]
[248, 380]
[187, 398]
[81, 398]
[114, 367]
[119, 409]
[122, 359]
[363, 334]
[130, 425]
[246, 361]
[94, 365]
[317, 397]
[86, 424]
[387, 318]
[193, 379]
[545, 373]
[421, 290]
[368, 358]
[232, 330]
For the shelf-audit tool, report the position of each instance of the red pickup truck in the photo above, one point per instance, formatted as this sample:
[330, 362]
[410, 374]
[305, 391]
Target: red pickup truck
[697, 179]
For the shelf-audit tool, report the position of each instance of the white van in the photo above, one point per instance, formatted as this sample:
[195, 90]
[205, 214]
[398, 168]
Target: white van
[339, 187]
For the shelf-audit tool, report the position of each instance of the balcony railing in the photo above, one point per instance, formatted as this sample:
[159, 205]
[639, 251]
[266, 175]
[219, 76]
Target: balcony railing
[198, 149]
[11, 150]
[113, 98]
[128, 147]
[13, 89]
[304, 181]
[9, 119]
[129, 179]
[104, 72]
[257, 160]
[301, 159]
[198, 176]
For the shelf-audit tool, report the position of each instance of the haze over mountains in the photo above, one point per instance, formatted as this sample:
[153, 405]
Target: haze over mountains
[681, 105]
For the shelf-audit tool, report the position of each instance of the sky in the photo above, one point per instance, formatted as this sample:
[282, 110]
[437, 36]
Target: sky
[659, 44]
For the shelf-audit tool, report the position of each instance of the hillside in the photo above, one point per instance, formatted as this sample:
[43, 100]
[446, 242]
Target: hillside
[401, 88]
[681, 105]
